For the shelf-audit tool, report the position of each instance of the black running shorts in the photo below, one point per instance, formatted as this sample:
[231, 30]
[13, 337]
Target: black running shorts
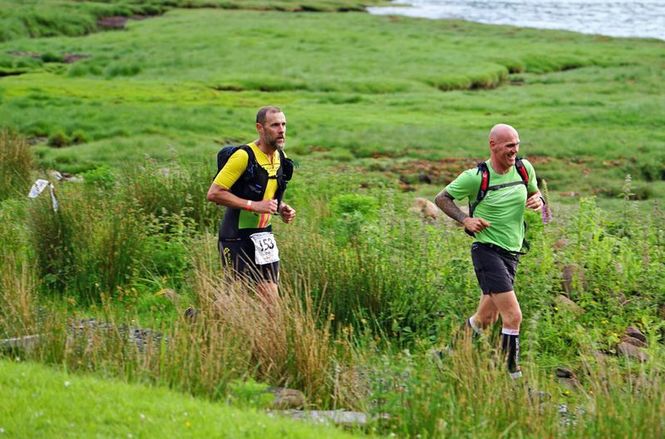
[495, 267]
[238, 254]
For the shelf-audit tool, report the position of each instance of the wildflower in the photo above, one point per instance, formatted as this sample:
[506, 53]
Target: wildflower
[545, 212]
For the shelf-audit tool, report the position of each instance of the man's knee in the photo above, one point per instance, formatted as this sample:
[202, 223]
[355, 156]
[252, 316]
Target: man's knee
[512, 318]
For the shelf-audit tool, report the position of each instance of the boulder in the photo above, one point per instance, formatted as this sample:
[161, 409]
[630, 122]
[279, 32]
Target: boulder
[26, 343]
[634, 341]
[565, 303]
[567, 378]
[632, 352]
[426, 209]
[632, 331]
[286, 399]
[337, 417]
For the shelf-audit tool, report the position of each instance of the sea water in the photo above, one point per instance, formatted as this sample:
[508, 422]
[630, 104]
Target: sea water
[643, 19]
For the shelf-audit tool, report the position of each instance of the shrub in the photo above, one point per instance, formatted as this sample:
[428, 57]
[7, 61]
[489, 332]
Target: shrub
[350, 213]
[101, 178]
[59, 139]
[79, 136]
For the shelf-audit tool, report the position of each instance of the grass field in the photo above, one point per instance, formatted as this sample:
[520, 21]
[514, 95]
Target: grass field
[400, 88]
[41, 402]
[380, 110]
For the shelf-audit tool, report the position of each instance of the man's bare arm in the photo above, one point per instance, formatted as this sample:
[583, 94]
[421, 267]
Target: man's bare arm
[224, 197]
[445, 202]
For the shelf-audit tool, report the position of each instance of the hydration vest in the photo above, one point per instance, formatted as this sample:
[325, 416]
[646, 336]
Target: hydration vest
[251, 185]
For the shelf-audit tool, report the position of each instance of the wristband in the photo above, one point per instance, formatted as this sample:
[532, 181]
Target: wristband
[248, 207]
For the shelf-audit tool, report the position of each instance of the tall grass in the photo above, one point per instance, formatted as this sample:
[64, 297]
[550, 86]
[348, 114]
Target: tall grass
[367, 289]
[16, 164]
[87, 247]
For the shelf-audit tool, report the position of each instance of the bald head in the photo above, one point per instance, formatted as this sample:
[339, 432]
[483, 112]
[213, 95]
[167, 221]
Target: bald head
[501, 131]
[504, 146]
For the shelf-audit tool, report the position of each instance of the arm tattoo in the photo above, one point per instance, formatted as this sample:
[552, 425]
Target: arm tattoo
[448, 206]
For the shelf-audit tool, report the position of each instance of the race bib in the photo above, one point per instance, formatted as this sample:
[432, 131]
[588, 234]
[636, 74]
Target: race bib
[265, 248]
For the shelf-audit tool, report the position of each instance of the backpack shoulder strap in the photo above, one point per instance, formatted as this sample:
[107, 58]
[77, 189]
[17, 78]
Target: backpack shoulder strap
[521, 169]
[484, 172]
[285, 170]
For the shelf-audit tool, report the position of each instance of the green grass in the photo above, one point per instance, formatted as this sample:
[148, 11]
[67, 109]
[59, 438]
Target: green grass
[367, 290]
[369, 85]
[42, 402]
[34, 19]
[372, 102]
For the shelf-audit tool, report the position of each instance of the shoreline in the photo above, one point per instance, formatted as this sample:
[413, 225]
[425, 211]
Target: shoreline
[548, 17]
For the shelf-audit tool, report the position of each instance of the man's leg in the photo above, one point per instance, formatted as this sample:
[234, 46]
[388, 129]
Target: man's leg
[486, 314]
[511, 318]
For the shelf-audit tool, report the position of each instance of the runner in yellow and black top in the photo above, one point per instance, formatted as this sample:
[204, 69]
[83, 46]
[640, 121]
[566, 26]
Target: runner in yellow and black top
[251, 186]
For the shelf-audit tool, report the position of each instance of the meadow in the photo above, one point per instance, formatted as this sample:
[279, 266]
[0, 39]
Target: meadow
[380, 110]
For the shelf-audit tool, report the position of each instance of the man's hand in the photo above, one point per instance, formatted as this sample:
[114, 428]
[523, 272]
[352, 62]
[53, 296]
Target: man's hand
[535, 202]
[475, 225]
[287, 213]
[264, 206]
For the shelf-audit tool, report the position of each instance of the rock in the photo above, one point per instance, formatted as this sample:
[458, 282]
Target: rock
[564, 372]
[64, 176]
[566, 377]
[287, 398]
[424, 178]
[634, 341]
[26, 343]
[565, 303]
[632, 331]
[426, 209]
[631, 351]
[338, 417]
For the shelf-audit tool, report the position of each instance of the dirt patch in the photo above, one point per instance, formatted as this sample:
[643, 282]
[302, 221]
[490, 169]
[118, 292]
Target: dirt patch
[112, 22]
[69, 58]
[21, 53]
[439, 172]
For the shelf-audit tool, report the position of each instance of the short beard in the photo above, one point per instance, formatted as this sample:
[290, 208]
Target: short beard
[275, 145]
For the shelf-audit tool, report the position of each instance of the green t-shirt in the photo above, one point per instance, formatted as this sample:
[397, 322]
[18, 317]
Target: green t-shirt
[503, 208]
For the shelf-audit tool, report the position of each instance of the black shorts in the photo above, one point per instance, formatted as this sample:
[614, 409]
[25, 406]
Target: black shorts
[495, 267]
[238, 254]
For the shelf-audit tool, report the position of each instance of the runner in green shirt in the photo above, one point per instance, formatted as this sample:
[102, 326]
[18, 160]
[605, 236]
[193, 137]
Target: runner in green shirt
[497, 225]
